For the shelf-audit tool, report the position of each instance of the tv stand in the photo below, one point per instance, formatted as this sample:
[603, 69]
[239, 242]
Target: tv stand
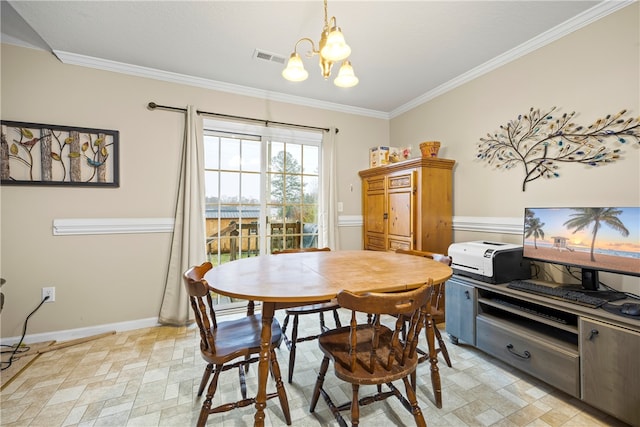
[569, 346]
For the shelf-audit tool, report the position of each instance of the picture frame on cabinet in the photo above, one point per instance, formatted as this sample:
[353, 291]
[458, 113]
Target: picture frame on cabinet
[42, 154]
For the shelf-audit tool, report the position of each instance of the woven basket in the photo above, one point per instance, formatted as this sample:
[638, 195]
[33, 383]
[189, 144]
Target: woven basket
[430, 148]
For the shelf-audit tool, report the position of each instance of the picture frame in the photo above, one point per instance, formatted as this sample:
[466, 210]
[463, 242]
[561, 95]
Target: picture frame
[42, 154]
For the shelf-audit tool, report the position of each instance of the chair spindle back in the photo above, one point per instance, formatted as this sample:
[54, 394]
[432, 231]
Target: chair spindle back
[411, 306]
[202, 304]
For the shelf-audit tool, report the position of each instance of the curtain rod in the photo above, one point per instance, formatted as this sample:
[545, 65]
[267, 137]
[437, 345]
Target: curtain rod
[153, 106]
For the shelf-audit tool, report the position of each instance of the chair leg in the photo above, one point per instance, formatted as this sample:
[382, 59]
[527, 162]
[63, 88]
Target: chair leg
[441, 344]
[206, 405]
[284, 331]
[243, 382]
[355, 406]
[323, 326]
[292, 348]
[282, 394]
[413, 401]
[205, 378]
[336, 318]
[433, 360]
[319, 382]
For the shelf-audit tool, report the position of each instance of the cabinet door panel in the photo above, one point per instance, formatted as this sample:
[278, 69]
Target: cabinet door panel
[375, 242]
[401, 207]
[374, 215]
[395, 244]
[400, 215]
[460, 308]
[610, 369]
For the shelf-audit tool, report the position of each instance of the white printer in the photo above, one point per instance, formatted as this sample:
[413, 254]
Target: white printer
[492, 262]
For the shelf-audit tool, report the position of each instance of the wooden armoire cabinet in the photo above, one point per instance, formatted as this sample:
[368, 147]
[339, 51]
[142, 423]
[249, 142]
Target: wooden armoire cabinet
[408, 205]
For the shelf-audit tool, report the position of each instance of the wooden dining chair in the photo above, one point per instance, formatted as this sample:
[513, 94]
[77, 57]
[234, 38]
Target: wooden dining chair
[370, 353]
[229, 344]
[295, 312]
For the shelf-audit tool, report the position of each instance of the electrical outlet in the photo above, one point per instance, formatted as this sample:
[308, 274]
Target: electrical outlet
[49, 292]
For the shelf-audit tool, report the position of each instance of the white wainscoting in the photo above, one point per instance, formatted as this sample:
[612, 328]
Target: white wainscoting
[80, 226]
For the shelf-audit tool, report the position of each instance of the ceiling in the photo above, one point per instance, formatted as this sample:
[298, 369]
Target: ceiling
[404, 52]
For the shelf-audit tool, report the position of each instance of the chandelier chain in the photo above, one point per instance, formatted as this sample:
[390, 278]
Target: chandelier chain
[326, 21]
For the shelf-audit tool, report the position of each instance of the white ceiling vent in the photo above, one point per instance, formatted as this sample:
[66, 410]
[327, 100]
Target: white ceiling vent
[268, 56]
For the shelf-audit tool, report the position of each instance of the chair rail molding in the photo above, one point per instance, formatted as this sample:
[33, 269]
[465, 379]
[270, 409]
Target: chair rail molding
[78, 226]
[502, 225]
[350, 221]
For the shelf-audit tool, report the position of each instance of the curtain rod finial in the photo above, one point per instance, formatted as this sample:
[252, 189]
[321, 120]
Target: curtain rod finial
[152, 105]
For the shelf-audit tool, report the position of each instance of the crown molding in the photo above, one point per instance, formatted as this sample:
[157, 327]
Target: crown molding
[599, 11]
[70, 58]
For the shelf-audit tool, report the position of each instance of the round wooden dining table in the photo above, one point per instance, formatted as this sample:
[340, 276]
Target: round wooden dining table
[302, 278]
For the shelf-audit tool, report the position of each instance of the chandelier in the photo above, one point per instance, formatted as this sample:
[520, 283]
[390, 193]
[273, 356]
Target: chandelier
[331, 48]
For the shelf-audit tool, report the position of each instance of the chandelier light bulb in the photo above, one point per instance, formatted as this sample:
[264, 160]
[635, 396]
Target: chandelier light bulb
[295, 71]
[335, 48]
[346, 76]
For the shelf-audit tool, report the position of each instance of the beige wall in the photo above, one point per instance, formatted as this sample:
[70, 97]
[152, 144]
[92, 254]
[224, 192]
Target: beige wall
[105, 279]
[593, 71]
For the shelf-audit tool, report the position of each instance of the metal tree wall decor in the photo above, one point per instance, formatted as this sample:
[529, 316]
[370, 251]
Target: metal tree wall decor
[541, 141]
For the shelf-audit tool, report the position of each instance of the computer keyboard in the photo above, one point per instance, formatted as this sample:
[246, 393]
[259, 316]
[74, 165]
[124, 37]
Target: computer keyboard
[530, 310]
[560, 293]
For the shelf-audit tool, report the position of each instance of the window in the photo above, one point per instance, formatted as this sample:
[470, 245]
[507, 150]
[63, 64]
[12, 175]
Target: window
[262, 189]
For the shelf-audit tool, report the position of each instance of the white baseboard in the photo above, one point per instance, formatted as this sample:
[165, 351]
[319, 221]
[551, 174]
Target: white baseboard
[71, 334]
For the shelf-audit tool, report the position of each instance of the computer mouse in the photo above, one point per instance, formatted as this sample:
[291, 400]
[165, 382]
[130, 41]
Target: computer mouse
[630, 308]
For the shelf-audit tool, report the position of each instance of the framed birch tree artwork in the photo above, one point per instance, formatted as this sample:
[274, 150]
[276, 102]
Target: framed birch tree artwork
[39, 154]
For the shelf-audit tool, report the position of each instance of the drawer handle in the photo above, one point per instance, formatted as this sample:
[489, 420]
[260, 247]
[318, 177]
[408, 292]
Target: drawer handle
[525, 355]
[592, 334]
[466, 294]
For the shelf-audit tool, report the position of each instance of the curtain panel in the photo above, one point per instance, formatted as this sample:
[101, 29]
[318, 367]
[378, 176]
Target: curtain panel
[188, 245]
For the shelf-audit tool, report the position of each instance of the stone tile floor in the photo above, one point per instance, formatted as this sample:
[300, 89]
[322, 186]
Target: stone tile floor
[149, 377]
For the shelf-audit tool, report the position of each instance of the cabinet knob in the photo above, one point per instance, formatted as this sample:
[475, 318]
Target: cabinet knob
[592, 334]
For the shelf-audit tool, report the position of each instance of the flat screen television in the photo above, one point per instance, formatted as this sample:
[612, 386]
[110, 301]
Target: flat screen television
[594, 239]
